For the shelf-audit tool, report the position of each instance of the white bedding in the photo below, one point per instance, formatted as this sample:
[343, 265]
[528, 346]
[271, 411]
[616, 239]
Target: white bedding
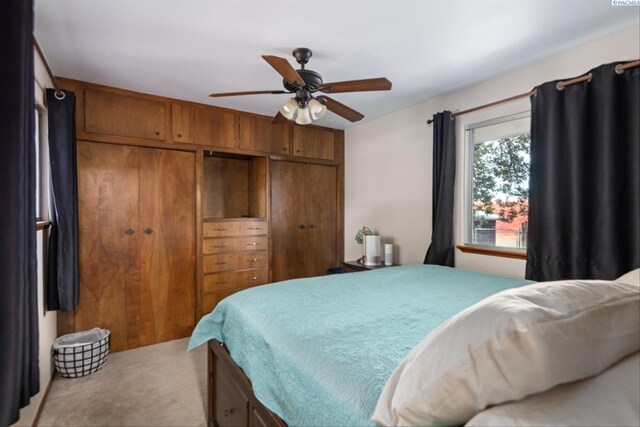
[609, 399]
[514, 344]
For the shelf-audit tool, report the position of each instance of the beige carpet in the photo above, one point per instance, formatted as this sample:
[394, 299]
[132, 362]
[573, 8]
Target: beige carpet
[157, 385]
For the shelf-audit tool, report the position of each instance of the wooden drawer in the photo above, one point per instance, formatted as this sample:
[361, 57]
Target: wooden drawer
[210, 300]
[252, 228]
[247, 260]
[217, 246]
[248, 278]
[231, 407]
[216, 282]
[234, 261]
[257, 243]
[234, 228]
[219, 281]
[219, 262]
[219, 229]
[234, 244]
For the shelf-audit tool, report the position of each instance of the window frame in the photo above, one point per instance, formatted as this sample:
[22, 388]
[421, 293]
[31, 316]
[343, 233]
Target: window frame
[42, 155]
[468, 245]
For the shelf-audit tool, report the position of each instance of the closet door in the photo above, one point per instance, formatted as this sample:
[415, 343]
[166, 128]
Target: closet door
[109, 241]
[289, 232]
[167, 244]
[303, 219]
[320, 207]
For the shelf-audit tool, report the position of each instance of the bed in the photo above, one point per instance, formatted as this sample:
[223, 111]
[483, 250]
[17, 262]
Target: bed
[319, 351]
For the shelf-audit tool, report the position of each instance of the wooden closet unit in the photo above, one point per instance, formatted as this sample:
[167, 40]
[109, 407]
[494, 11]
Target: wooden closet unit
[258, 134]
[111, 113]
[137, 243]
[176, 210]
[304, 217]
[203, 126]
[235, 245]
[313, 143]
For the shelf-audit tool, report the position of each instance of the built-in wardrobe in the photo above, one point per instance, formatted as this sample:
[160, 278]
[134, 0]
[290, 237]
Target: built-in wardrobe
[182, 204]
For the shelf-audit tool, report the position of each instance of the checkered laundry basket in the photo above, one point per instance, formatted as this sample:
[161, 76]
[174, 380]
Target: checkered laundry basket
[82, 353]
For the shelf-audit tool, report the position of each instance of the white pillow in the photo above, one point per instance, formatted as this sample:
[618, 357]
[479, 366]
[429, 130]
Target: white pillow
[512, 344]
[609, 399]
[632, 277]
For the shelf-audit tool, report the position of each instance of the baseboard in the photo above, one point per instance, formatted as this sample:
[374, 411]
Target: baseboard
[42, 401]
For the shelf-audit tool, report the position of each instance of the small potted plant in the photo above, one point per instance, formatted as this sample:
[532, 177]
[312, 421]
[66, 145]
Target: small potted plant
[360, 239]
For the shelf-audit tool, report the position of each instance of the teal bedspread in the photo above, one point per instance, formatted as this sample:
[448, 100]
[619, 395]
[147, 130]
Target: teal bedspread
[319, 351]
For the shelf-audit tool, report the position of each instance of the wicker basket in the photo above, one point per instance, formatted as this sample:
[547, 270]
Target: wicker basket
[82, 353]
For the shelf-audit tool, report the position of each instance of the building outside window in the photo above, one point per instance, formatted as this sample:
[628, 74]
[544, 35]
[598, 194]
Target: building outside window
[499, 188]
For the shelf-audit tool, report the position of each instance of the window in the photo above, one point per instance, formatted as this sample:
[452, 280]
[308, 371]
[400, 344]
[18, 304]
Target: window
[42, 156]
[499, 190]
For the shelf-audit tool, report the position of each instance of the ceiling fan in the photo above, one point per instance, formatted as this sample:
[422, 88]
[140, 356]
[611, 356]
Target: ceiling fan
[310, 101]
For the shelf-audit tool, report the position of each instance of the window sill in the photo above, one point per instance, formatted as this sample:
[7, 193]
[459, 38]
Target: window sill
[42, 225]
[499, 252]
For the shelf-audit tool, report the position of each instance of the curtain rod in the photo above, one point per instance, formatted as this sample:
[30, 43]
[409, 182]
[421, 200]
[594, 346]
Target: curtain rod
[46, 65]
[620, 68]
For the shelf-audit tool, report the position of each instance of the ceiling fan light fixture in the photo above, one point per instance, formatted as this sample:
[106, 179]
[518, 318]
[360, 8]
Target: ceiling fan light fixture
[288, 109]
[317, 109]
[304, 117]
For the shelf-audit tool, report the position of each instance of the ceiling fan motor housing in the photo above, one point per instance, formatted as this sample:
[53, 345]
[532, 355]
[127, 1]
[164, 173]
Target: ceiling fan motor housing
[310, 77]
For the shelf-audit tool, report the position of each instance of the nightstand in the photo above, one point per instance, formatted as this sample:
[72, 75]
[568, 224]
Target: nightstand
[354, 266]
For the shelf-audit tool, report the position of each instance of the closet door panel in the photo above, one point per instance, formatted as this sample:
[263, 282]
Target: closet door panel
[289, 231]
[321, 183]
[109, 236]
[167, 244]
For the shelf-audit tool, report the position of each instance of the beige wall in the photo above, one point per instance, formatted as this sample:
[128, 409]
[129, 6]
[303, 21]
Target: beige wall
[388, 161]
[46, 320]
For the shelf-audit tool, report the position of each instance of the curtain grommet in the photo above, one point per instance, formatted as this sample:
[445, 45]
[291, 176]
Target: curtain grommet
[60, 95]
[559, 86]
[619, 69]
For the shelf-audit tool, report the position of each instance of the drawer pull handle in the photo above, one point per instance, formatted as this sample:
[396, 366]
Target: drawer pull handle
[220, 229]
[228, 412]
[252, 259]
[220, 282]
[252, 244]
[219, 246]
[254, 228]
[253, 278]
[129, 232]
[220, 263]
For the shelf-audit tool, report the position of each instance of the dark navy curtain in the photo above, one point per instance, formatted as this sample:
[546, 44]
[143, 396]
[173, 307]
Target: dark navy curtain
[62, 283]
[19, 376]
[584, 217]
[441, 250]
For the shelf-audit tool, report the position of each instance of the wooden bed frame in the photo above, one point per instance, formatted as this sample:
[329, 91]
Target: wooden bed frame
[231, 400]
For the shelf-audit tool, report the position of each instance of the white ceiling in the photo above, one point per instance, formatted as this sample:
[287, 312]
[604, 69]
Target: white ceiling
[189, 48]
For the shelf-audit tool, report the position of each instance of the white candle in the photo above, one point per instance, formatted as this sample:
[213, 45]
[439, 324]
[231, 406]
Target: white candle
[388, 254]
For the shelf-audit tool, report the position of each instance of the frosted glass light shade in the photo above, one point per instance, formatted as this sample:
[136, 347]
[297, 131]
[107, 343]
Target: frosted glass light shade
[303, 118]
[288, 109]
[317, 109]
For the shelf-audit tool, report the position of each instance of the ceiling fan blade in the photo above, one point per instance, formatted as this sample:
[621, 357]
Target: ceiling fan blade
[341, 109]
[365, 85]
[279, 119]
[255, 92]
[285, 69]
